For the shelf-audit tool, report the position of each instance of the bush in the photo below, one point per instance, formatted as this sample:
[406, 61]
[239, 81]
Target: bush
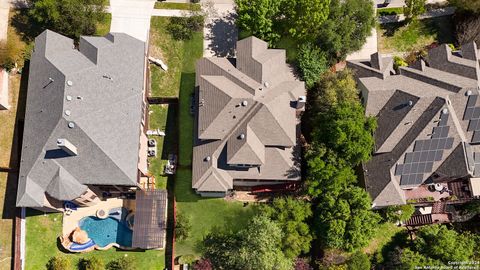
[123, 263]
[58, 263]
[302, 264]
[358, 261]
[398, 62]
[182, 28]
[94, 263]
[398, 213]
[467, 27]
[12, 51]
[183, 226]
[312, 62]
[186, 259]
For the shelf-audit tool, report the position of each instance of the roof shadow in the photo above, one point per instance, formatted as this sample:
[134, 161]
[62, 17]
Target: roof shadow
[56, 153]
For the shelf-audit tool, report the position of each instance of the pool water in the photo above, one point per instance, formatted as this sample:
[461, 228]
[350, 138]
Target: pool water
[106, 231]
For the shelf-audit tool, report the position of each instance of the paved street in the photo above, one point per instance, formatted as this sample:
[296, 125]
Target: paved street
[131, 17]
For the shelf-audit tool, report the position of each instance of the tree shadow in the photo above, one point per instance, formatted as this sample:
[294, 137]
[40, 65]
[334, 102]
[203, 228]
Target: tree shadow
[24, 25]
[391, 28]
[442, 27]
[223, 35]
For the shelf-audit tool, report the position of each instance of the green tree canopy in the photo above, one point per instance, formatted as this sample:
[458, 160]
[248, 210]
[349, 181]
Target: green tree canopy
[259, 18]
[312, 62]
[358, 261]
[183, 226]
[467, 5]
[440, 243]
[348, 25]
[256, 247]
[304, 18]
[413, 8]
[291, 215]
[93, 263]
[411, 260]
[398, 213]
[347, 221]
[68, 17]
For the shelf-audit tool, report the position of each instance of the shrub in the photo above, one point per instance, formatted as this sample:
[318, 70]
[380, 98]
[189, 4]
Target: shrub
[398, 62]
[312, 62]
[358, 261]
[11, 52]
[123, 263]
[186, 259]
[302, 264]
[182, 28]
[58, 263]
[94, 263]
[183, 226]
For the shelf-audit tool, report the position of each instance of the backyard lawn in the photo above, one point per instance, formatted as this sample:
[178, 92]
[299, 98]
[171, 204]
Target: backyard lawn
[42, 244]
[402, 37]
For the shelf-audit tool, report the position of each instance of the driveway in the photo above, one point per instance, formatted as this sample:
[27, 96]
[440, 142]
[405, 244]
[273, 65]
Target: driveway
[131, 17]
[220, 32]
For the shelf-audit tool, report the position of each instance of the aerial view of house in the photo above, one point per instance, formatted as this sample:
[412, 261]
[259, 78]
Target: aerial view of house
[426, 140]
[239, 134]
[247, 121]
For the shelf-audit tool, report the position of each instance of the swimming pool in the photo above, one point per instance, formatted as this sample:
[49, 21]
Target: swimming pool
[107, 231]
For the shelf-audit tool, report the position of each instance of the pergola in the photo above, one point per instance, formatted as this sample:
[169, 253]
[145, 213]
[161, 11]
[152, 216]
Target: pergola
[150, 225]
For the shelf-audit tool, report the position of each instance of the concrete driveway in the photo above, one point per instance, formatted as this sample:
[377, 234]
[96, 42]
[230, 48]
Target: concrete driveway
[220, 32]
[131, 17]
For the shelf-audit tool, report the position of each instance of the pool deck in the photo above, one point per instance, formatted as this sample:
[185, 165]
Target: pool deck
[70, 222]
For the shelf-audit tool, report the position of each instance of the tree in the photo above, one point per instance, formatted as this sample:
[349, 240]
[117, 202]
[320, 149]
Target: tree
[411, 260]
[68, 17]
[358, 261]
[122, 263]
[256, 247]
[259, 18]
[349, 24]
[58, 263]
[347, 221]
[182, 28]
[398, 213]
[440, 243]
[467, 5]
[203, 264]
[291, 216]
[11, 51]
[312, 62]
[347, 131]
[93, 263]
[305, 17]
[183, 226]
[302, 264]
[186, 259]
[413, 8]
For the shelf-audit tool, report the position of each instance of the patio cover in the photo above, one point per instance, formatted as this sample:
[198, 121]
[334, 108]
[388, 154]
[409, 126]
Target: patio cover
[150, 225]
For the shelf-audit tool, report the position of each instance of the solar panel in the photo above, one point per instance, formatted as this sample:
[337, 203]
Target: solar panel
[468, 114]
[472, 99]
[425, 153]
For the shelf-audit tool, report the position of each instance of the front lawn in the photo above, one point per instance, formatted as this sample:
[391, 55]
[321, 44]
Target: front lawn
[403, 37]
[42, 244]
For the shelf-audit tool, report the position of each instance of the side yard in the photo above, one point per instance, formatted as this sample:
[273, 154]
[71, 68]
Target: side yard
[405, 37]
[179, 80]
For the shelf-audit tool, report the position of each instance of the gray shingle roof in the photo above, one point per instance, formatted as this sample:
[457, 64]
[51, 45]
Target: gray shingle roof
[434, 87]
[93, 98]
[245, 115]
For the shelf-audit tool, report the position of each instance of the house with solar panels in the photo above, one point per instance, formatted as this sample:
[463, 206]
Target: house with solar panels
[247, 118]
[427, 144]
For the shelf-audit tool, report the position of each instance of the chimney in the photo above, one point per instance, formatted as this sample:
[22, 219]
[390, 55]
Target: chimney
[67, 146]
[301, 102]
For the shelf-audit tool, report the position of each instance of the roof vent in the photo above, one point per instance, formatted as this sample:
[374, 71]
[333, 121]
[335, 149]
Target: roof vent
[469, 93]
[207, 158]
[445, 111]
[50, 79]
[266, 84]
[69, 98]
[68, 112]
[244, 103]
[79, 97]
[241, 136]
[106, 76]
[67, 146]
[69, 83]
[410, 103]
[71, 125]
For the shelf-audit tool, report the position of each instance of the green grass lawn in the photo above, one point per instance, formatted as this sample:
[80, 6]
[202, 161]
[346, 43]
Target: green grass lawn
[103, 27]
[182, 6]
[180, 57]
[402, 37]
[41, 238]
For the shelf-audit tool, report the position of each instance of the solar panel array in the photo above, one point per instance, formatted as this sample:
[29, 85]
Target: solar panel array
[476, 161]
[472, 113]
[425, 153]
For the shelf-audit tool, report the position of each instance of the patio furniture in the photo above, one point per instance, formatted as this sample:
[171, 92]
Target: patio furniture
[155, 132]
